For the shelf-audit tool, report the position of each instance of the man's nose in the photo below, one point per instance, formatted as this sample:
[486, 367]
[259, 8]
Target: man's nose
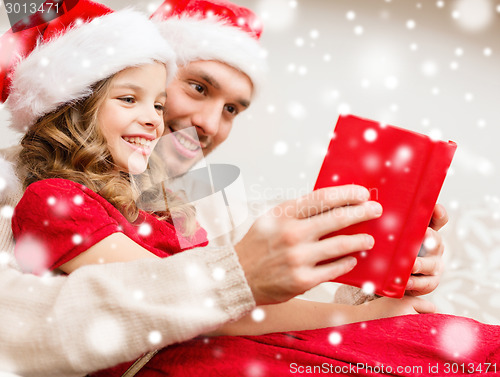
[208, 119]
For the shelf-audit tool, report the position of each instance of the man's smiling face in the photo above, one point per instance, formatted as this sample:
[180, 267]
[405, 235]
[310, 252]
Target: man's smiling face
[202, 103]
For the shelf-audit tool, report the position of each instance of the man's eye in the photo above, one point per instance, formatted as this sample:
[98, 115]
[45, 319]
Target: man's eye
[199, 88]
[231, 109]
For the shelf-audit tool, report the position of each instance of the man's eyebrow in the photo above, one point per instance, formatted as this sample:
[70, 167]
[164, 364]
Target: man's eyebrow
[244, 103]
[210, 79]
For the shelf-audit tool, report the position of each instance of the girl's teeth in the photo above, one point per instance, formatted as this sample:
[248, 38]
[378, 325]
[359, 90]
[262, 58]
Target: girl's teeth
[137, 140]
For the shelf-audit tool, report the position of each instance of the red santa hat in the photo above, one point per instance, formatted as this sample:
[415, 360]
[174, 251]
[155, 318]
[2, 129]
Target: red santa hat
[58, 62]
[213, 30]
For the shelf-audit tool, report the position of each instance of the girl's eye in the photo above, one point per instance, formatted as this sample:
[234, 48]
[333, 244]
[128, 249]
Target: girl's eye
[127, 99]
[159, 107]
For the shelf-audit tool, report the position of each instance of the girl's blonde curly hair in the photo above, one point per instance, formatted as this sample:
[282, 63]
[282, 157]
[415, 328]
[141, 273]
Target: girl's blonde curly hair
[68, 143]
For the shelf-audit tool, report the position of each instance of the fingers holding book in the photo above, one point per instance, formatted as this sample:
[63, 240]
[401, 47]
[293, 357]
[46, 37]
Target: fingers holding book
[282, 251]
[427, 269]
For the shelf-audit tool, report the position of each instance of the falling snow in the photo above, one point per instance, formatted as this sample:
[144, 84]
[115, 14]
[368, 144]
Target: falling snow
[335, 338]
[145, 229]
[155, 337]
[258, 315]
[106, 335]
[458, 338]
[368, 288]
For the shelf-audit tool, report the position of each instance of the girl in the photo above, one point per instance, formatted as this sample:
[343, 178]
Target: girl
[95, 122]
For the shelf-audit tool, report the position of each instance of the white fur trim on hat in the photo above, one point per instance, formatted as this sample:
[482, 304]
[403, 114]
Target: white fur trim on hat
[198, 38]
[64, 69]
[8, 179]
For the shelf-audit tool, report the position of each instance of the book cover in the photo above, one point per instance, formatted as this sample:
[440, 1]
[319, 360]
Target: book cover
[404, 171]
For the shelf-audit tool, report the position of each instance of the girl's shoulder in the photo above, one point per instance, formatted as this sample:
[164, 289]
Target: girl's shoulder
[58, 191]
[60, 187]
[56, 184]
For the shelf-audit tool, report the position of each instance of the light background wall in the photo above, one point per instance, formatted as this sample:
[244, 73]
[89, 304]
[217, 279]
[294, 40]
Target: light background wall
[430, 66]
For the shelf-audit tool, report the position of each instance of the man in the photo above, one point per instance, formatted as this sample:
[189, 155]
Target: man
[277, 264]
[220, 66]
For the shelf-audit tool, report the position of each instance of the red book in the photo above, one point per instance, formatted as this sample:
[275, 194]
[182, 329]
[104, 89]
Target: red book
[404, 172]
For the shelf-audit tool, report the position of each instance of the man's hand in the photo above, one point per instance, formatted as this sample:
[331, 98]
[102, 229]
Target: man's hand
[427, 269]
[280, 252]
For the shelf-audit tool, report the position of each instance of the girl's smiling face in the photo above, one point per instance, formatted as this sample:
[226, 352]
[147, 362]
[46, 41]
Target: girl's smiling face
[131, 115]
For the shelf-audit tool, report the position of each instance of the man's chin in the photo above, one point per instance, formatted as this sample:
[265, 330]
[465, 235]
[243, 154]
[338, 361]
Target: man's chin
[180, 168]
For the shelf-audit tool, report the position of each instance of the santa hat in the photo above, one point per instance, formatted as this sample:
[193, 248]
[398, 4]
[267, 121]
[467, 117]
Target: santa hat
[56, 63]
[213, 30]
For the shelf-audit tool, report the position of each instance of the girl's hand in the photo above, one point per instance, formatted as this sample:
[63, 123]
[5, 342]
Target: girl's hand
[391, 307]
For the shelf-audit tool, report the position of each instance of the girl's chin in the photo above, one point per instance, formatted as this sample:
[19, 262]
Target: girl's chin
[135, 165]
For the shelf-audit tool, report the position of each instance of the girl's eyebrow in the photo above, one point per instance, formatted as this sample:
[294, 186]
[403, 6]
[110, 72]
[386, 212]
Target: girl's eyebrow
[136, 88]
[128, 86]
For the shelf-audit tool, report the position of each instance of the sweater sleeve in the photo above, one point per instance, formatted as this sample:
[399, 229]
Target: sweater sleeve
[103, 315]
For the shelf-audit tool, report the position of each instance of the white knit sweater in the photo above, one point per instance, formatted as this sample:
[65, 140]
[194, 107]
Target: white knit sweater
[102, 315]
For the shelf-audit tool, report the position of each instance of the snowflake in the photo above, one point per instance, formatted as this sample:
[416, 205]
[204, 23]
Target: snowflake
[4, 258]
[299, 42]
[359, 30]
[145, 229]
[370, 135]
[391, 82]
[297, 110]
[77, 239]
[209, 302]
[314, 34]
[473, 15]
[138, 294]
[219, 273]
[458, 338]
[44, 61]
[155, 337]
[280, 148]
[430, 243]
[7, 212]
[429, 68]
[469, 97]
[411, 24]
[335, 338]
[254, 369]
[106, 335]
[368, 288]
[31, 254]
[344, 109]
[302, 70]
[258, 315]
